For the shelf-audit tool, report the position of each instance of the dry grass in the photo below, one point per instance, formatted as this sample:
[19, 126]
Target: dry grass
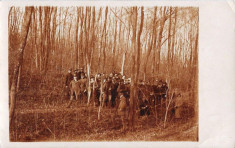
[80, 123]
[41, 115]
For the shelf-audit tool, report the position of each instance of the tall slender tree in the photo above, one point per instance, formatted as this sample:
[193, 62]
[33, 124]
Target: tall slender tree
[24, 35]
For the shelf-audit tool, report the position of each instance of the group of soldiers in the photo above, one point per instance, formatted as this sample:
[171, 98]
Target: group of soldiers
[113, 91]
[106, 90]
[75, 85]
[107, 87]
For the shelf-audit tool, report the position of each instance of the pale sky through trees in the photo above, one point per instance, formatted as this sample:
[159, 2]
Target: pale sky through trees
[66, 17]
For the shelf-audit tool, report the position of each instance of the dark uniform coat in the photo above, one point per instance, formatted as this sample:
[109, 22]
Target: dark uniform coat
[69, 78]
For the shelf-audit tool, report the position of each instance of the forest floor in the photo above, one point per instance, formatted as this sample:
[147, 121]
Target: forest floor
[80, 123]
[41, 115]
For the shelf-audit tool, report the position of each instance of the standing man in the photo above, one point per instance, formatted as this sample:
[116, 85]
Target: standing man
[76, 73]
[97, 88]
[80, 73]
[69, 78]
[177, 102]
[83, 87]
[107, 92]
[122, 109]
[75, 90]
[164, 90]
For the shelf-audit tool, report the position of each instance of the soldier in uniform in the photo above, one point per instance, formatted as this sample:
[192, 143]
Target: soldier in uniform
[68, 79]
[80, 73]
[121, 87]
[164, 90]
[83, 86]
[107, 91]
[157, 89]
[144, 107]
[75, 90]
[177, 104]
[76, 73]
[114, 92]
[97, 88]
[122, 109]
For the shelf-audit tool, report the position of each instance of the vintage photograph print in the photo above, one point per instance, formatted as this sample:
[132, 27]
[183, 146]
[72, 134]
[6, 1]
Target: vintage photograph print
[89, 73]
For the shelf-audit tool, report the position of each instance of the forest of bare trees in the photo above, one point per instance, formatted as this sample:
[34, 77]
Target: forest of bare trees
[143, 43]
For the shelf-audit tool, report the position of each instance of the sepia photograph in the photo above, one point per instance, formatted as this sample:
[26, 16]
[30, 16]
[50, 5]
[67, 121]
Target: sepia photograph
[103, 73]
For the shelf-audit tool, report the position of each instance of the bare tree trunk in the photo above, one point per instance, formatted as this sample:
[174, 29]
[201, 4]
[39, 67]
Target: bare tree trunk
[195, 86]
[114, 46]
[101, 97]
[76, 39]
[139, 45]
[135, 66]
[41, 39]
[18, 80]
[160, 38]
[153, 41]
[24, 35]
[169, 40]
[132, 87]
[90, 54]
[167, 107]
[120, 43]
[47, 28]
[89, 84]
[86, 36]
[63, 34]
[35, 39]
[81, 40]
[173, 39]
[105, 36]
[123, 62]
[100, 42]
